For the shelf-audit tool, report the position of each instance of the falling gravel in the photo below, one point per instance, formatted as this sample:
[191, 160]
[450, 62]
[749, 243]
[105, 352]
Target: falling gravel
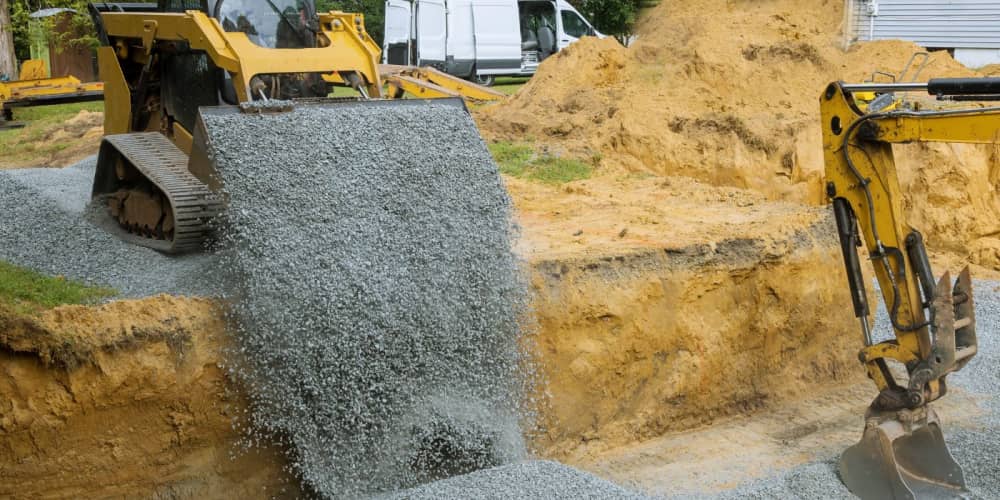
[376, 299]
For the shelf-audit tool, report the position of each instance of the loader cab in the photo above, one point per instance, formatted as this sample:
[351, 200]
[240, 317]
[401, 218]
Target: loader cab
[274, 24]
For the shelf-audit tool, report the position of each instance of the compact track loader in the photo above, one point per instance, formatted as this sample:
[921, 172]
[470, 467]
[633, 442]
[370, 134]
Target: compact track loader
[902, 453]
[166, 64]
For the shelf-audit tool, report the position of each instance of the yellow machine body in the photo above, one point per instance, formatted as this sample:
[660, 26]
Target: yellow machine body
[428, 82]
[162, 66]
[902, 453]
[165, 65]
[343, 47]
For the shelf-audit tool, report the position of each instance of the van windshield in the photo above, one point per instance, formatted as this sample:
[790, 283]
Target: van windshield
[281, 24]
[574, 25]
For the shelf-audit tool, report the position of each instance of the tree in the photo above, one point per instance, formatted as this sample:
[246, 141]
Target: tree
[8, 63]
[611, 17]
[374, 11]
[79, 32]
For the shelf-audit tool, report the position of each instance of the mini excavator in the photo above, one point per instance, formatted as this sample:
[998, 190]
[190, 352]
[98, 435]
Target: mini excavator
[902, 453]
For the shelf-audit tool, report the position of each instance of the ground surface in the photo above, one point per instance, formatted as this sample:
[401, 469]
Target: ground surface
[52, 136]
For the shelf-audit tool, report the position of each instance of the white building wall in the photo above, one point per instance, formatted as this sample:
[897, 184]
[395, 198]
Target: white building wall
[973, 25]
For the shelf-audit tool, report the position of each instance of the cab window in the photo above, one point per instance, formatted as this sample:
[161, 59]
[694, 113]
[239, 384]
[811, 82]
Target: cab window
[574, 25]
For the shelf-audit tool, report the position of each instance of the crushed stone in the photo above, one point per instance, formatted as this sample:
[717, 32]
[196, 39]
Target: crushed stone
[535, 479]
[43, 226]
[376, 301]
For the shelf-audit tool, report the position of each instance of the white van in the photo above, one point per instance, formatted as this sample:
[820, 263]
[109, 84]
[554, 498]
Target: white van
[480, 39]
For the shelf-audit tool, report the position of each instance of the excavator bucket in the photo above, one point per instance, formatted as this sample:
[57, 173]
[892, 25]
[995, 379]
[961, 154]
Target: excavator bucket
[902, 455]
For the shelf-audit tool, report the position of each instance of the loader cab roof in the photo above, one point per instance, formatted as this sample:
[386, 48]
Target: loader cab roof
[267, 23]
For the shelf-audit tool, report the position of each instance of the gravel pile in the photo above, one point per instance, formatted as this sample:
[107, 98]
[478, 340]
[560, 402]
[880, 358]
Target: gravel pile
[42, 226]
[977, 450]
[375, 296]
[539, 479]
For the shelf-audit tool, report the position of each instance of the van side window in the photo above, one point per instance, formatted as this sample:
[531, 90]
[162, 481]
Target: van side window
[573, 25]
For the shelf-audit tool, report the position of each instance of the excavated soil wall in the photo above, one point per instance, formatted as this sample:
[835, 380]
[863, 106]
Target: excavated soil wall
[124, 400]
[667, 339]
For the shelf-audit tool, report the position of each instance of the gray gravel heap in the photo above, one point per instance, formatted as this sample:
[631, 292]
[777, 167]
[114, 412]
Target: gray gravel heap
[42, 226]
[976, 449]
[375, 295]
[538, 479]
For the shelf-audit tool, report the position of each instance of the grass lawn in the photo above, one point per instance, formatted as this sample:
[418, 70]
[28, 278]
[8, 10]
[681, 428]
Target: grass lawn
[521, 160]
[510, 84]
[28, 292]
[27, 144]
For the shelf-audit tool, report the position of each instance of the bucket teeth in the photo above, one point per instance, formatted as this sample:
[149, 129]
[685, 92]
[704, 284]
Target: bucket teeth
[966, 343]
[902, 455]
[943, 309]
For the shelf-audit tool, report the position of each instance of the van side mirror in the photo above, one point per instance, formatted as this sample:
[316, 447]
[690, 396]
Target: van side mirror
[591, 31]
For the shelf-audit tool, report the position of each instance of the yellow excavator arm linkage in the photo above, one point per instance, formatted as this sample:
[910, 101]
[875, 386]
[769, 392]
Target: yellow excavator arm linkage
[902, 450]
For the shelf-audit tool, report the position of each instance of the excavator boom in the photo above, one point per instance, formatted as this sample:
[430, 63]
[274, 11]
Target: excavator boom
[902, 453]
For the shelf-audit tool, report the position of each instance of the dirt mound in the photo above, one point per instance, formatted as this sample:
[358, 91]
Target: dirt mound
[722, 93]
[125, 399]
[726, 92]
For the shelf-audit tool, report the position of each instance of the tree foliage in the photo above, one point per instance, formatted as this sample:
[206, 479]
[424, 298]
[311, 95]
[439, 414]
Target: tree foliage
[611, 17]
[80, 32]
[374, 11]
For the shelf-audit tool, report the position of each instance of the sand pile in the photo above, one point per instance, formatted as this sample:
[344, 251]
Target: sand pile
[723, 92]
[727, 93]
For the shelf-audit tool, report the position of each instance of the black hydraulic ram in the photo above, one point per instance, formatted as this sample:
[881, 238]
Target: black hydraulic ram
[944, 88]
[921, 265]
[847, 229]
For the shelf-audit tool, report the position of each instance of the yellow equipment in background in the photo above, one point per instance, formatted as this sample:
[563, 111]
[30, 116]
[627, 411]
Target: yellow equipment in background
[902, 452]
[871, 101]
[35, 88]
[431, 83]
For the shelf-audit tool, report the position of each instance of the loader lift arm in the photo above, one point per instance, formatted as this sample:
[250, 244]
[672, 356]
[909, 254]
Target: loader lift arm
[902, 452]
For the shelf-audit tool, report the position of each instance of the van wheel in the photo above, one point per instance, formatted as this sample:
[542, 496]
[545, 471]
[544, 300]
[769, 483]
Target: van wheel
[485, 80]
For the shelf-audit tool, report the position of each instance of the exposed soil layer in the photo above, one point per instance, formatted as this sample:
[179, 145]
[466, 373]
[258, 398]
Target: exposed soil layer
[661, 309]
[124, 399]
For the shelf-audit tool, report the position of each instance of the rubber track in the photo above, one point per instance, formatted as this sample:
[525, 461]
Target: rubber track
[194, 205]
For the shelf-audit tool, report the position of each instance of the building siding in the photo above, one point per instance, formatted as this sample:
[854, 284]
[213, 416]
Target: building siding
[973, 24]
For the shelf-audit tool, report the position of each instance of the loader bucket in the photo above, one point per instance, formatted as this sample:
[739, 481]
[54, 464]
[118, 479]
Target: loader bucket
[902, 460]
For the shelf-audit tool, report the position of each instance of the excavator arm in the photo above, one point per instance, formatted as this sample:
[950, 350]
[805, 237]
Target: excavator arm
[902, 452]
